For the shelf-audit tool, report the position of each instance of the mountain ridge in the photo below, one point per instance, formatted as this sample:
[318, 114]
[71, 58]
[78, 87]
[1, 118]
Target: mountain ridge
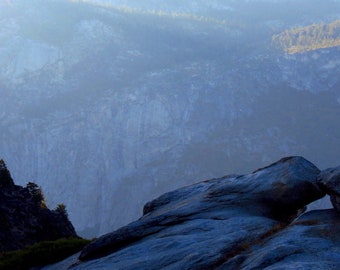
[309, 38]
[129, 102]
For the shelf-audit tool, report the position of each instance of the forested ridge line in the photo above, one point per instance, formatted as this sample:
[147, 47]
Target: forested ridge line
[309, 38]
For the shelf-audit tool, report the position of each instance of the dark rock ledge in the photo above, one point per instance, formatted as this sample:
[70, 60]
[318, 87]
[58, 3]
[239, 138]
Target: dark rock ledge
[250, 221]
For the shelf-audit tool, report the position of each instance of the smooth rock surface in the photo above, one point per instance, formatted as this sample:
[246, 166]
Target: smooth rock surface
[210, 224]
[310, 242]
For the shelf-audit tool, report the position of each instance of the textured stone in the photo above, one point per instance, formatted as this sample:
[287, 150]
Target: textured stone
[329, 181]
[310, 242]
[206, 225]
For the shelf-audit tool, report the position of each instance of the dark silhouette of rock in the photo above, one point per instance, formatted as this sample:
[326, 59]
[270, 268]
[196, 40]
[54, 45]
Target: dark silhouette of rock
[24, 217]
[212, 224]
[5, 176]
[329, 180]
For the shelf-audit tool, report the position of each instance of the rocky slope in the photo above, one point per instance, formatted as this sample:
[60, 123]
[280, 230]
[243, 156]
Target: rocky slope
[249, 221]
[106, 105]
[24, 219]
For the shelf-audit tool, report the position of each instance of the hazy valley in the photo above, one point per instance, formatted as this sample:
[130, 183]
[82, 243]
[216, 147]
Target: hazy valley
[108, 104]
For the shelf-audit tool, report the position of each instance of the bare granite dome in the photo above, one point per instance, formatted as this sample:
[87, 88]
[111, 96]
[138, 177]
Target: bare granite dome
[249, 221]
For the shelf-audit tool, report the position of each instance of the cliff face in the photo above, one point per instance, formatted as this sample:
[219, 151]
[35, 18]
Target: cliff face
[24, 218]
[126, 100]
[249, 221]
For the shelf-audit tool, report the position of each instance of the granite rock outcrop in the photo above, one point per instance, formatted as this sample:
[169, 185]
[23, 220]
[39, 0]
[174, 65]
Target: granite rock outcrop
[252, 221]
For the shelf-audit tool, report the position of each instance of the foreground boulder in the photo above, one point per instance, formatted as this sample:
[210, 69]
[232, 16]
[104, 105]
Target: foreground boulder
[24, 217]
[234, 222]
[211, 224]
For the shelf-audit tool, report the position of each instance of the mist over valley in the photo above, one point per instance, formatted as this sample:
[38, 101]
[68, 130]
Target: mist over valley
[108, 104]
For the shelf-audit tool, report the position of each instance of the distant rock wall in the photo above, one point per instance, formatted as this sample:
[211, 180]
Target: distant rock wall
[107, 106]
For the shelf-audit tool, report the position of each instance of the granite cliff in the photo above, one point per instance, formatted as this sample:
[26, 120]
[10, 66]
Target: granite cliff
[129, 95]
[252, 221]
